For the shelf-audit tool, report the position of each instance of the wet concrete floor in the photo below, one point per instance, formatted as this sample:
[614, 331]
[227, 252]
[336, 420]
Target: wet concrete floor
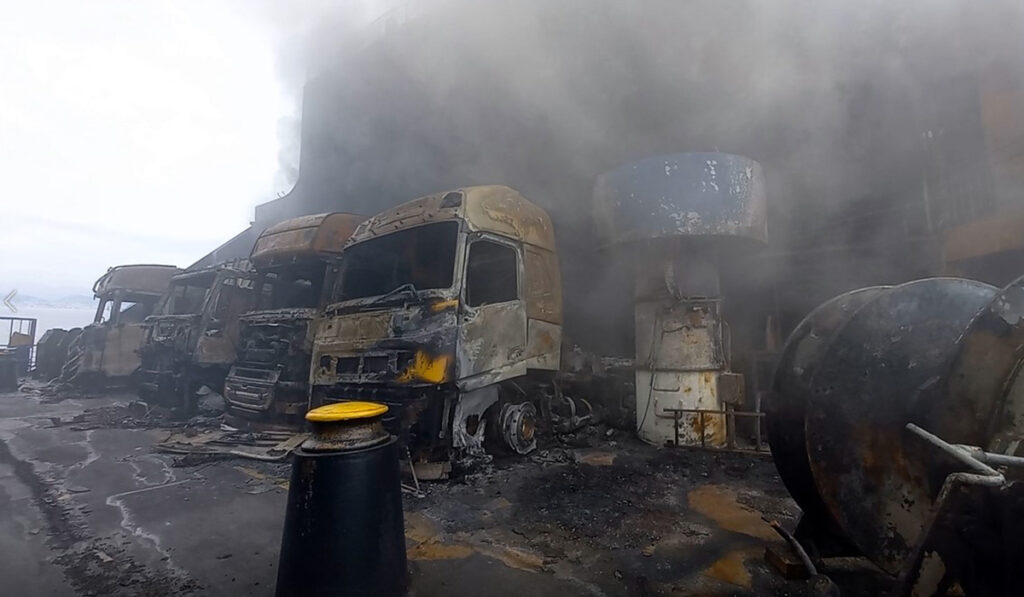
[92, 509]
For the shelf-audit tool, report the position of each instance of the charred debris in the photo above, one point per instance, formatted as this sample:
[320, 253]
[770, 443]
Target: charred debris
[603, 297]
[448, 309]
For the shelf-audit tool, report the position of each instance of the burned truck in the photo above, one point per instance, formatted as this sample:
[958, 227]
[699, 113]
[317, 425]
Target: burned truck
[448, 309]
[296, 266]
[107, 350]
[190, 341]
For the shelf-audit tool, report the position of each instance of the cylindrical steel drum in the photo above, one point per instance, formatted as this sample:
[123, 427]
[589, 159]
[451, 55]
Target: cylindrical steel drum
[786, 410]
[343, 530]
[942, 353]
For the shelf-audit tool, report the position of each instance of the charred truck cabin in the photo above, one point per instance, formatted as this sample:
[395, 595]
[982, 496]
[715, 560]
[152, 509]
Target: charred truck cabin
[448, 309]
[295, 263]
[107, 351]
[191, 340]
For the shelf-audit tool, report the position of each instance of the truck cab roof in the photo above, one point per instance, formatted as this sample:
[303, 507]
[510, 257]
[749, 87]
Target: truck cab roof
[142, 279]
[317, 236]
[491, 208]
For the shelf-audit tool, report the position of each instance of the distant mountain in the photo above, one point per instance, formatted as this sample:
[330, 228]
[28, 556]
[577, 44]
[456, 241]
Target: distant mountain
[77, 301]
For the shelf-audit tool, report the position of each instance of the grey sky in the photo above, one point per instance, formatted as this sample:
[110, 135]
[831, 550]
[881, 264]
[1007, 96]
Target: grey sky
[138, 131]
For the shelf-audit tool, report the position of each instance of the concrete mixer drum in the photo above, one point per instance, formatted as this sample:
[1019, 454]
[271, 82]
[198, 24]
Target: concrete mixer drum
[896, 422]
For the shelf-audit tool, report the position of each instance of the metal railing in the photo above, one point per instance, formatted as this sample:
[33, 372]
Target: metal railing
[729, 416]
[23, 326]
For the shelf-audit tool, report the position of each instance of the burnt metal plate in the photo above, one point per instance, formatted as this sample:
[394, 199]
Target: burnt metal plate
[988, 357]
[731, 388]
[680, 195]
[787, 405]
[874, 480]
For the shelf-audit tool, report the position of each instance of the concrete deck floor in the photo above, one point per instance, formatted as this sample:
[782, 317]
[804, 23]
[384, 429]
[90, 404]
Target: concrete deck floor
[93, 510]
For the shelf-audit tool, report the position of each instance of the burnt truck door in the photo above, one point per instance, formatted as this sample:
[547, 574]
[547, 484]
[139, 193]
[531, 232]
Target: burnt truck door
[124, 335]
[233, 295]
[492, 330]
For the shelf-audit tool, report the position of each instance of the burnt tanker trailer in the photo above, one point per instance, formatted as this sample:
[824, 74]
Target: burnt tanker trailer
[896, 423]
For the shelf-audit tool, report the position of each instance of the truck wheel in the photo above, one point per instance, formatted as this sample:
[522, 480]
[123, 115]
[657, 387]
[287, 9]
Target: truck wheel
[518, 424]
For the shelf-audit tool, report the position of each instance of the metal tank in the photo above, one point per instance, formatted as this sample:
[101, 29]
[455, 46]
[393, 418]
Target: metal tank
[890, 409]
[680, 216]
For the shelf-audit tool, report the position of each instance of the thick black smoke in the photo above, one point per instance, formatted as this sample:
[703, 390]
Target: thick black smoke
[867, 116]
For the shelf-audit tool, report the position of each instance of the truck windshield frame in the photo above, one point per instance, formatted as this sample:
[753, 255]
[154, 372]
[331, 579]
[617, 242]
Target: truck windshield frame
[297, 287]
[423, 257]
[187, 295]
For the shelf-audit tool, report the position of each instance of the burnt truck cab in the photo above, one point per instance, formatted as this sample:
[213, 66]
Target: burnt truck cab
[446, 309]
[107, 349]
[190, 341]
[295, 263]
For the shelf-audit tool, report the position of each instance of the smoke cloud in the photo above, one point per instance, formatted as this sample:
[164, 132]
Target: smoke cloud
[867, 117]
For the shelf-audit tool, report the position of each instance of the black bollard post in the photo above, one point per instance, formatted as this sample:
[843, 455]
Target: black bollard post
[343, 528]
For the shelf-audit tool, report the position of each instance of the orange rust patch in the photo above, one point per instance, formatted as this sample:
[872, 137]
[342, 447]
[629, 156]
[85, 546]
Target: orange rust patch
[419, 528]
[513, 557]
[731, 568]
[509, 556]
[719, 504]
[423, 537]
[712, 427]
[441, 305]
[500, 503]
[596, 458]
[440, 551]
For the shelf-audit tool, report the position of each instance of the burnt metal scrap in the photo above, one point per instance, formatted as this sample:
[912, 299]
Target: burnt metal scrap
[682, 216]
[447, 309]
[892, 410]
[52, 352]
[295, 267]
[190, 342]
[269, 380]
[107, 350]
[788, 407]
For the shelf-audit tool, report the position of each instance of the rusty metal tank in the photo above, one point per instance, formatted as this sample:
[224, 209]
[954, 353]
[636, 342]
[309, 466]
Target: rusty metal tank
[682, 195]
[680, 216]
[942, 354]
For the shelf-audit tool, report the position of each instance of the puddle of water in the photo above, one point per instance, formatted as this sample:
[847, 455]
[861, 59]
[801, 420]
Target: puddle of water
[513, 558]
[424, 534]
[720, 505]
[439, 551]
[731, 568]
[509, 556]
[419, 528]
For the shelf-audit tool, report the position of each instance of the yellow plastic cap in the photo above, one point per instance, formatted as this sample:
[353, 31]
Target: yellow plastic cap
[345, 411]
